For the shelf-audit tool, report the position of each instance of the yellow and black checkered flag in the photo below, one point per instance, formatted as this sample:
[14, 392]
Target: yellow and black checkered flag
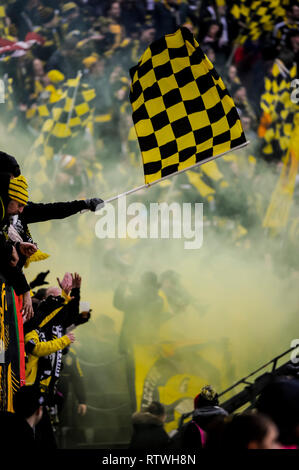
[69, 115]
[182, 111]
[278, 89]
[257, 17]
[280, 204]
[279, 109]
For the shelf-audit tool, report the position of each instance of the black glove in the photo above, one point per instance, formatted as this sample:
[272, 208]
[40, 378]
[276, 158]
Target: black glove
[39, 280]
[92, 204]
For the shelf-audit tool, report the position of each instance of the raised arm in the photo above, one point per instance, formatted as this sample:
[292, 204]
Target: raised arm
[44, 348]
[33, 212]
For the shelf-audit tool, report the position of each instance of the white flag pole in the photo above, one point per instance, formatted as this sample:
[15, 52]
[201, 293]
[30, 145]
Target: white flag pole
[134, 190]
[79, 76]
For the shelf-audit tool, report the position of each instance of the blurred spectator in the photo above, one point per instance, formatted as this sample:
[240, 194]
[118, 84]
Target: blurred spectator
[210, 53]
[242, 103]
[70, 173]
[247, 123]
[279, 400]
[244, 431]
[49, 28]
[142, 307]
[71, 384]
[66, 58]
[22, 73]
[212, 36]
[206, 412]
[168, 16]
[24, 15]
[104, 127]
[148, 431]
[176, 296]
[232, 80]
[132, 15]
[40, 77]
[72, 20]
[20, 426]
[292, 44]
[114, 14]
[290, 23]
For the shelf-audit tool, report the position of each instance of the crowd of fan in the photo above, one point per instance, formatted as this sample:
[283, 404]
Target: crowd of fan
[104, 40]
[273, 424]
[48, 316]
[48, 333]
[270, 423]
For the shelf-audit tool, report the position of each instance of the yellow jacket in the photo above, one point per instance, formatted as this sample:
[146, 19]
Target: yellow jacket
[36, 349]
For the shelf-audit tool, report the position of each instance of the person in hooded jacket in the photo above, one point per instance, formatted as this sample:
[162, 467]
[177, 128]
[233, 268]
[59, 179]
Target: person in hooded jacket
[206, 413]
[148, 428]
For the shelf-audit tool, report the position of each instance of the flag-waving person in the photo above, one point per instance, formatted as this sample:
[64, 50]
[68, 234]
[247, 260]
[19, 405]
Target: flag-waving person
[13, 200]
[16, 229]
[15, 300]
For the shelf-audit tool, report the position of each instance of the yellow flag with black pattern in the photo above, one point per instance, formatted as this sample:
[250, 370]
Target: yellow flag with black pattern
[182, 111]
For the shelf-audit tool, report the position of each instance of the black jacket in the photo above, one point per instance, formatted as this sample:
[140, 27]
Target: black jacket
[15, 432]
[38, 212]
[71, 376]
[148, 432]
[202, 417]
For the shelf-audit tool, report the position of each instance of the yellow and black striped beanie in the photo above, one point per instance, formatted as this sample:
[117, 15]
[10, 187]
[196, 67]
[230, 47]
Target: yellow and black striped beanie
[18, 189]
